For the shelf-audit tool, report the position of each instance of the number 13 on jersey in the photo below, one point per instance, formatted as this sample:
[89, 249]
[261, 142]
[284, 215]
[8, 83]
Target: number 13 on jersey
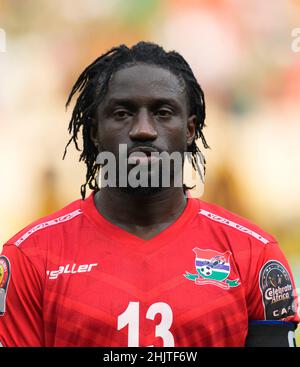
[131, 315]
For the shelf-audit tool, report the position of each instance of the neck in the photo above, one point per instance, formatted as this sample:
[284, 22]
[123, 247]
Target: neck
[130, 209]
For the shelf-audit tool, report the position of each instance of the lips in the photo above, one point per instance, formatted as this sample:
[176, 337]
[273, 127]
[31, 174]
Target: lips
[144, 154]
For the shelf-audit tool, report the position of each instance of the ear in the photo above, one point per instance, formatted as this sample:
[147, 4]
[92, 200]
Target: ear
[93, 132]
[191, 129]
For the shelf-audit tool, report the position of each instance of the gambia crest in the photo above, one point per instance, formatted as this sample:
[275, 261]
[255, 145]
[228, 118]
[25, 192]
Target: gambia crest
[212, 267]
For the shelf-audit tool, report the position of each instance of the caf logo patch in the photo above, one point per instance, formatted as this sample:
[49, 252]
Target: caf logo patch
[277, 291]
[213, 268]
[4, 280]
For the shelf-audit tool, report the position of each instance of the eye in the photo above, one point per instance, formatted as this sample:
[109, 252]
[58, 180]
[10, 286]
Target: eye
[164, 112]
[121, 114]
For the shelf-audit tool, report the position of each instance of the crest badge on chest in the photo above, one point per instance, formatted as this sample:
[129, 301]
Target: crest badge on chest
[213, 268]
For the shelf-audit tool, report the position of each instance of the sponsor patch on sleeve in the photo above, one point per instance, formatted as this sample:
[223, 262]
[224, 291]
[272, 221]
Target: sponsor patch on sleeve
[277, 291]
[4, 280]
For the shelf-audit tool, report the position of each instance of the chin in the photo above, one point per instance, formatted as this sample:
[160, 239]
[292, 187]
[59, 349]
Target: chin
[142, 191]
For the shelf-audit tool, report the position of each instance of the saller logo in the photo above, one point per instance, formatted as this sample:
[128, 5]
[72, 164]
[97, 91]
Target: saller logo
[277, 291]
[70, 269]
[213, 268]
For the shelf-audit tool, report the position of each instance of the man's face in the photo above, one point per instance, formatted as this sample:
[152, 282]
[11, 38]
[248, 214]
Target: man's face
[145, 108]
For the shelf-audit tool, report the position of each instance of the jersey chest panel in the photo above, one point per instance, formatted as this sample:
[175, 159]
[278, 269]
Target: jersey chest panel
[114, 295]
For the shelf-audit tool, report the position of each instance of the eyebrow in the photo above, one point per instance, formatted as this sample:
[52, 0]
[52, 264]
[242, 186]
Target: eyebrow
[130, 103]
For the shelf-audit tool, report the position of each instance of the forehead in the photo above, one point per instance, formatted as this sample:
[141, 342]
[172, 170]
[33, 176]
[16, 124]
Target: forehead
[146, 81]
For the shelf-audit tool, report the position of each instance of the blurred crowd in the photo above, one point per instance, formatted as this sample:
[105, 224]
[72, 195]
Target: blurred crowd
[241, 54]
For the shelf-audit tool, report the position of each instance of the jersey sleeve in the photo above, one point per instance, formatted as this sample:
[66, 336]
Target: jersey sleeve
[21, 287]
[271, 291]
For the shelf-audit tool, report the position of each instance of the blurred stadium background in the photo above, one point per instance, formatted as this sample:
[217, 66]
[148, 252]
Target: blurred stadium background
[242, 56]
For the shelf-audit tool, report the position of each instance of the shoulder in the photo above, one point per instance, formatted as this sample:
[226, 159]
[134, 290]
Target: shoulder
[231, 224]
[50, 224]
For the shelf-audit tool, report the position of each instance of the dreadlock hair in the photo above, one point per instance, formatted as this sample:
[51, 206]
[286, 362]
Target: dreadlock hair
[92, 86]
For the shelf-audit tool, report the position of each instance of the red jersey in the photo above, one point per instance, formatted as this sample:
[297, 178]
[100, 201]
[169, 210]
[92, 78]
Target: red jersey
[75, 279]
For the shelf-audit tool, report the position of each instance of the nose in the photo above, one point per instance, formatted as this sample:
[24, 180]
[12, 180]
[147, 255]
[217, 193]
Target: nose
[143, 127]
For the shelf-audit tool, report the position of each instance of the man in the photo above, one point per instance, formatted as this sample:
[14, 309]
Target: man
[143, 265]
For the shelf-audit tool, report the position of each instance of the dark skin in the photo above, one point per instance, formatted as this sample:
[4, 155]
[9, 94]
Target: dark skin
[144, 104]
